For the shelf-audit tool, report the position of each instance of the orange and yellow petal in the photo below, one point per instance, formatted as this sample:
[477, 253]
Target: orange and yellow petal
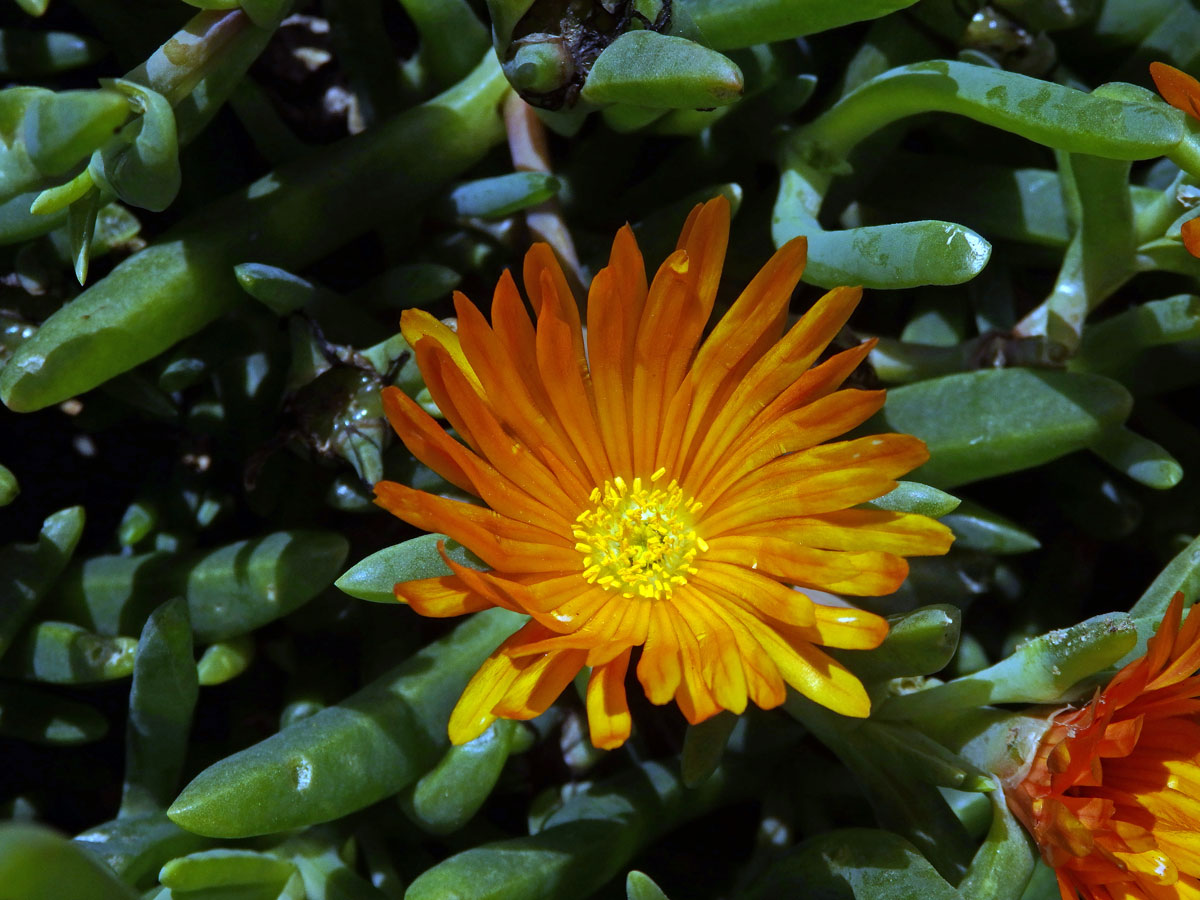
[814, 674]
[514, 687]
[416, 325]
[868, 574]
[607, 709]
[499, 541]
[440, 597]
[755, 591]
[660, 667]
[858, 530]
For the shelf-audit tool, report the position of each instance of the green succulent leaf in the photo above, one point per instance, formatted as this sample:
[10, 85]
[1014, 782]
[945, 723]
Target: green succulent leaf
[644, 68]
[974, 430]
[38, 864]
[346, 756]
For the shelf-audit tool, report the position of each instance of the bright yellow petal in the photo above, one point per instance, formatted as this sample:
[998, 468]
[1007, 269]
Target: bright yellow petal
[814, 674]
[843, 627]
[473, 713]
[417, 324]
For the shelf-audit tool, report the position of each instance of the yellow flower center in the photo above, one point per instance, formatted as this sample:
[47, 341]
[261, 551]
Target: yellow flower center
[639, 540]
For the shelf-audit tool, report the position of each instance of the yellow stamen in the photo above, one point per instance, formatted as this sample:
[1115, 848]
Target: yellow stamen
[639, 541]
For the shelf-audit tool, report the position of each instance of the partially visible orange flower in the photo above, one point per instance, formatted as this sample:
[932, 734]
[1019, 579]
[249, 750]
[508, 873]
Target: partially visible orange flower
[1112, 796]
[1182, 91]
[651, 489]
[1191, 236]
[1178, 88]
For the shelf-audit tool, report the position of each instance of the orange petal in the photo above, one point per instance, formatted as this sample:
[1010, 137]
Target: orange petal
[1159, 647]
[752, 325]
[668, 296]
[440, 597]
[614, 633]
[545, 283]
[825, 418]
[670, 443]
[816, 472]
[1178, 88]
[433, 360]
[609, 368]
[1191, 236]
[695, 700]
[819, 493]
[1183, 658]
[811, 386]
[704, 239]
[629, 281]
[538, 470]
[1189, 634]
[778, 369]
[430, 444]
[420, 434]
[501, 542]
[532, 419]
[481, 583]
[515, 332]
[569, 394]
[860, 574]
[856, 530]
[607, 709]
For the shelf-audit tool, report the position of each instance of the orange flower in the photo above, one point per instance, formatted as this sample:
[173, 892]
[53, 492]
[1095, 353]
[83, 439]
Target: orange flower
[1182, 91]
[649, 489]
[1112, 795]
